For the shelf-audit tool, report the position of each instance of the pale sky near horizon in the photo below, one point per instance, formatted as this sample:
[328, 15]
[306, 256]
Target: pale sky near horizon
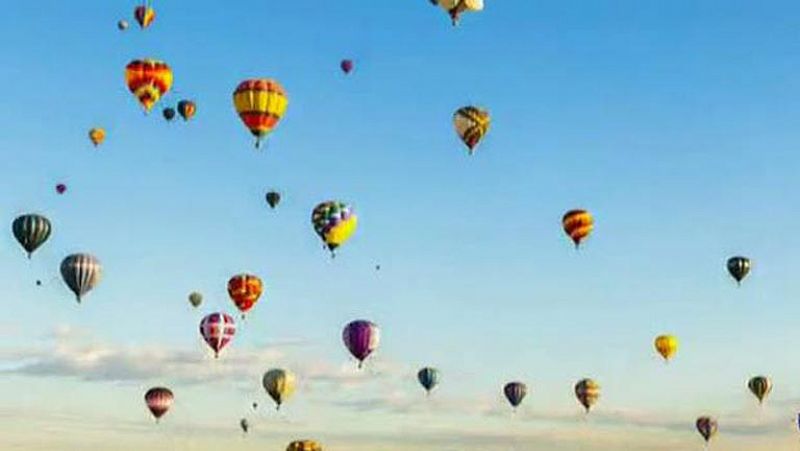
[674, 123]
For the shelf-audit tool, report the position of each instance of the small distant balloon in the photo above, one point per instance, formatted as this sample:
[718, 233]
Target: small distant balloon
[61, 188]
[760, 387]
[273, 199]
[187, 109]
[144, 15]
[578, 225]
[377, 267]
[471, 124]
[245, 425]
[38, 283]
[279, 385]
[739, 268]
[196, 299]
[515, 392]
[255, 405]
[347, 66]
[429, 378]
[707, 427]
[97, 135]
[122, 25]
[361, 338]
[169, 113]
[159, 400]
[667, 346]
[588, 392]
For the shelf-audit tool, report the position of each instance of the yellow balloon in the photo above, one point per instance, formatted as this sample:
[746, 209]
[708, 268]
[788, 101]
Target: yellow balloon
[667, 346]
[279, 384]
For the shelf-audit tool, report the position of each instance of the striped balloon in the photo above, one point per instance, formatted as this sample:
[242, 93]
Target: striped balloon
[578, 224]
[244, 290]
[217, 329]
[361, 338]
[588, 392]
[304, 445]
[81, 273]
[707, 427]
[515, 392]
[159, 400]
[429, 378]
[144, 15]
[31, 231]
[739, 268]
[260, 104]
[471, 124]
[148, 80]
[760, 386]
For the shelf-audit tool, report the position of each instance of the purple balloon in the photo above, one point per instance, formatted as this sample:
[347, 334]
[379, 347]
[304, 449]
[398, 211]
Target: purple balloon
[361, 338]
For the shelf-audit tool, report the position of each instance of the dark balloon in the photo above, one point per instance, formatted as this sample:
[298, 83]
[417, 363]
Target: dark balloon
[707, 427]
[273, 198]
[739, 268]
[169, 113]
[38, 283]
[61, 188]
[347, 66]
[187, 109]
[429, 378]
[31, 231]
[245, 425]
[515, 392]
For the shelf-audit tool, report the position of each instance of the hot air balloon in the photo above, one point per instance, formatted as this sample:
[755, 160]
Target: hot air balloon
[260, 104]
[169, 113]
[97, 136]
[335, 222]
[429, 378]
[304, 445]
[760, 386]
[245, 425]
[578, 224]
[588, 392]
[159, 400]
[273, 199]
[145, 15]
[279, 384]
[31, 231]
[244, 290]
[472, 124]
[361, 338]
[255, 405]
[187, 109]
[195, 299]
[81, 273]
[61, 188]
[456, 7]
[667, 346]
[739, 268]
[347, 66]
[122, 25]
[217, 330]
[148, 80]
[515, 392]
[707, 427]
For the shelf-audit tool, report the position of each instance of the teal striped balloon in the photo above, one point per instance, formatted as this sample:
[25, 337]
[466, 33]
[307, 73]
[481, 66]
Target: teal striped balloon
[31, 231]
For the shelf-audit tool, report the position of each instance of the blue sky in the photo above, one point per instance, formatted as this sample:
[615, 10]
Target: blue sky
[675, 124]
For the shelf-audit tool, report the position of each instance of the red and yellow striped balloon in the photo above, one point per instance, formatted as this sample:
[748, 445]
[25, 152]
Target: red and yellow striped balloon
[261, 104]
[578, 224]
[148, 80]
[304, 445]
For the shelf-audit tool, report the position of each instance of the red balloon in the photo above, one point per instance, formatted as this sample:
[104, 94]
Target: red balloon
[159, 400]
[61, 188]
[217, 330]
[347, 66]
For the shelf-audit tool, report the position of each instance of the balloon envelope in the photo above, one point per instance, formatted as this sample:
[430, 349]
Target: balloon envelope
[148, 80]
[361, 338]
[217, 329]
[578, 224]
[279, 384]
[739, 268]
[245, 290]
[81, 273]
[334, 222]
[304, 445]
[471, 124]
[260, 103]
[707, 427]
[515, 392]
[159, 400]
[666, 345]
[588, 392]
[429, 378]
[31, 231]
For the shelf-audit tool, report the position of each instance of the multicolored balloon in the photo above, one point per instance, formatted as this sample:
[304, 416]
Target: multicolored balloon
[196, 299]
[279, 384]
[273, 199]
[457, 7]
[707, 427]
[739, 268]
[144, 15]
[471, 124]
[667, 346]
[335, 222]
[588, 392]
[260, 103]
[760, 387]
[187, 109]
[81, 273]
[148, 80]
[304, 445]
[31, 231]
[361, 338]
[97, 136]
[217, 329]
[515, 392]
[429, 378]
[578, 224]
[244, 290]
[346, 66]
[159, 400]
